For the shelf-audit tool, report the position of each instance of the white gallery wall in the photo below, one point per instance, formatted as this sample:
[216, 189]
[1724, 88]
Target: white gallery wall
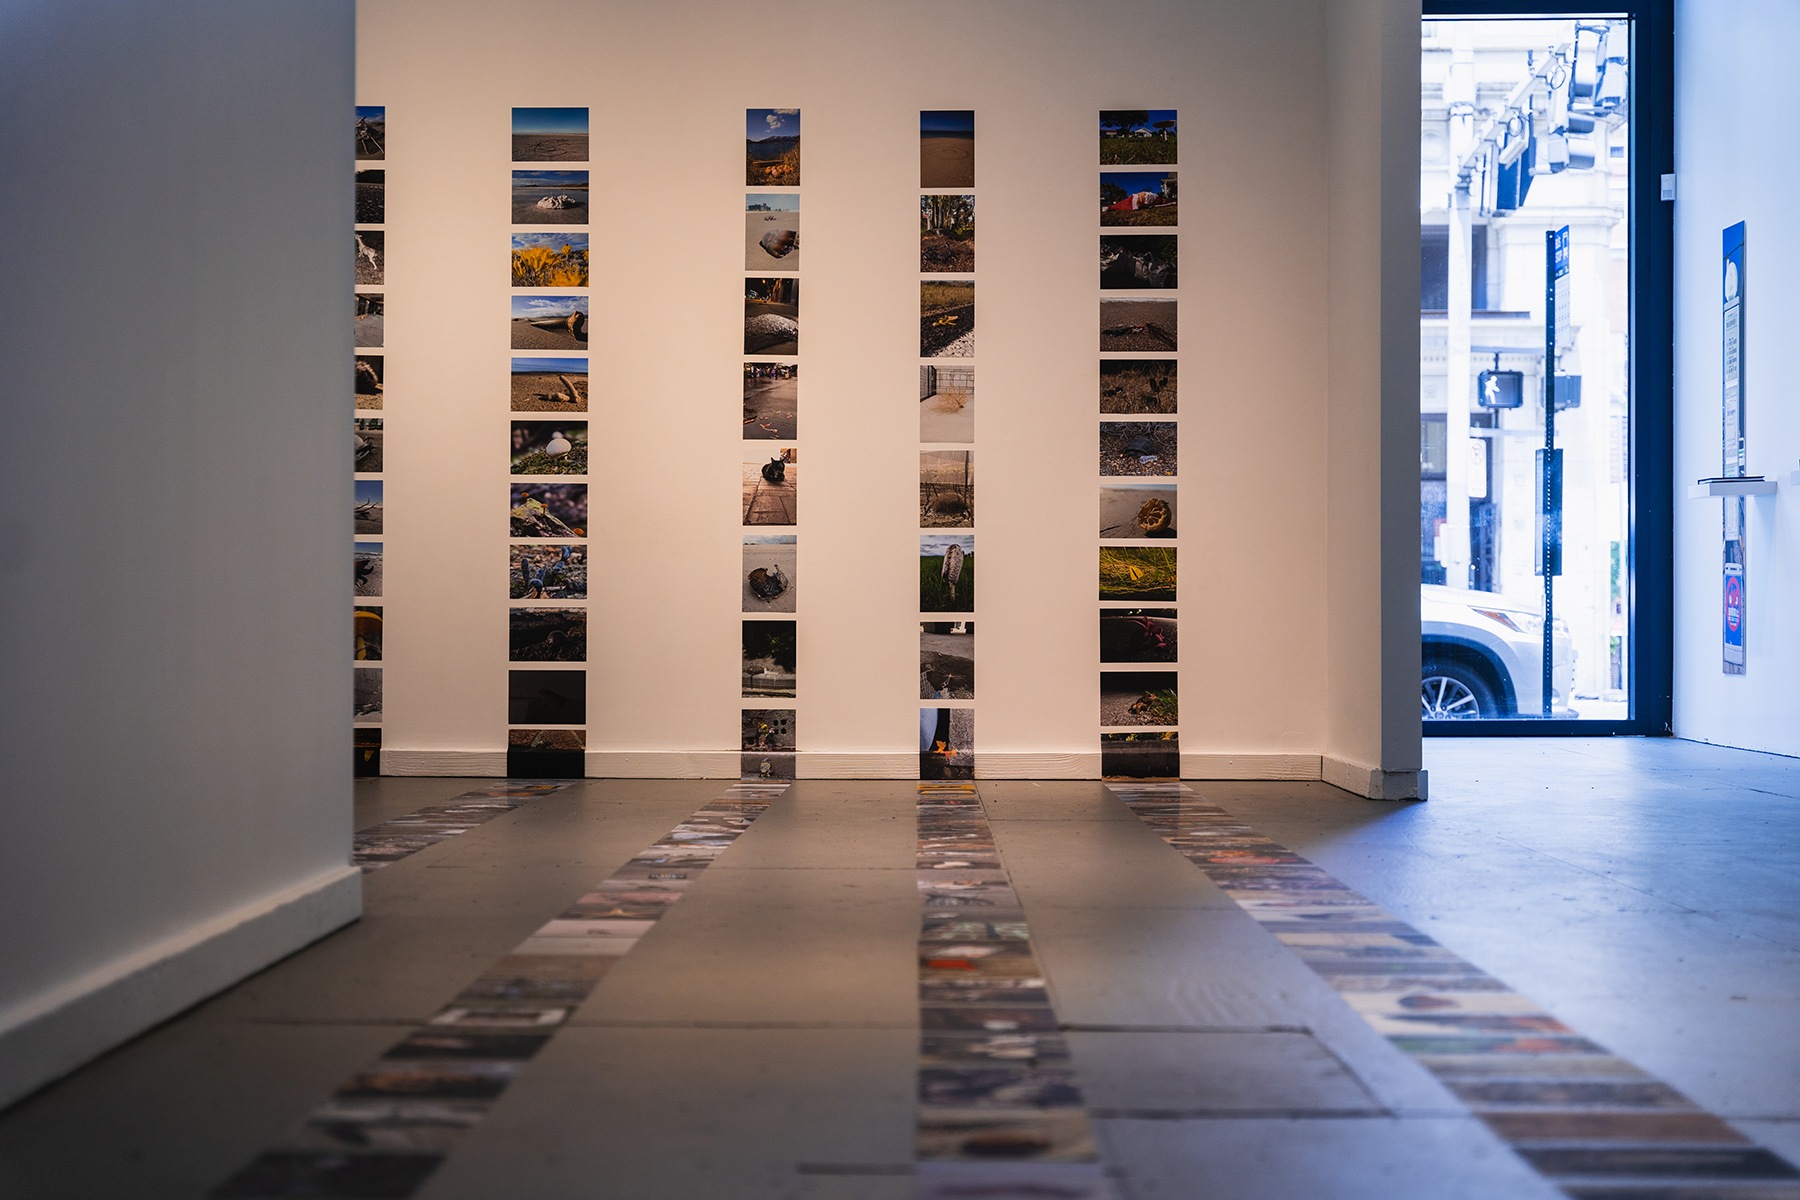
[1298, 561]
[174, 525]
[1737, 158]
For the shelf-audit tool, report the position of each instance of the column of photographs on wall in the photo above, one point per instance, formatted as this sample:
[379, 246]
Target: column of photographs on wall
[1139, 273]
[547, 555]
[767, 737]
[946, 444]
[369, 431]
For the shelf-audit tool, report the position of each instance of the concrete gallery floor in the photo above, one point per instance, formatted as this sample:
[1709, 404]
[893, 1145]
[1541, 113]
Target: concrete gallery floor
[1158, 1010]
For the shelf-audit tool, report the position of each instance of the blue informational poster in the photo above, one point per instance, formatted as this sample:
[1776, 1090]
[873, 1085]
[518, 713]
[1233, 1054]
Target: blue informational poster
[1733, 458]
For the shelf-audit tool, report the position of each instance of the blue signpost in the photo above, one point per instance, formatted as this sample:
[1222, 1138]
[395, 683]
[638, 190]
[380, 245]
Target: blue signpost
[1549, 464]
[1734, 460]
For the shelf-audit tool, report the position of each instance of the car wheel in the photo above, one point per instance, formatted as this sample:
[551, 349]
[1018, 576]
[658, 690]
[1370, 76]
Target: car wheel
[1450, 691]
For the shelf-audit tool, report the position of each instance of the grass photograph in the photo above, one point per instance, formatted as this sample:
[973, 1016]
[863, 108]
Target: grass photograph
[946, 319]
[946, 489]
[772, 147]
[549, 448]
[1136, 261]
[1131, 137]
[946, 403]
[769, 658]
[547, 634]
[946, 148]
[947, 234]
[367, 511]
[549, 197]
[549, 134]
[546, 697]
[1137, 510]
[549, 322]
[1140, 756]
[1138, 698]
[548, 510]
[550, 384]
[1137, 573]
[541, 260]
[767, 729]
[772, 231]
[366, 438]
[1137, 448]
[369, 373]
[771, 400]
[946, 660]
[371, 132]
[1138, 385]
[771, 488]
[1138, 199]
[771, 316]
[371, 256]
[547, 573]
[370, 329]
[770, 568]
[1137, 325]
[366, 625]
[1138, 635]
[947, 573]
[946, 743]
[366, 558]
[371, 197]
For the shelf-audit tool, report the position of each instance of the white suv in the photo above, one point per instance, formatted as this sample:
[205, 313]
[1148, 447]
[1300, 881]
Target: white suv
[1483, 656]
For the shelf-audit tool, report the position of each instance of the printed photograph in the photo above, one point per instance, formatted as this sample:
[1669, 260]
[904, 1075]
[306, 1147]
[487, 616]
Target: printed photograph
[371, 197]
[538, 740]
[772, 231]
[549, 322]
[367, 746]
[367, 440]
[946, 149]
[1138, 698]
[1137, 510]
[771, 400]
[946, 660]
[371, 370]
[946, 489]
[549, 510]
[770, 488]
[946, 403]
[1137, 573]
[772, 147]
[768, 658]
[1138, 385]
[1138, 261]
[547, 634]
[766, 764]
[946, 319]
[771, 316]
[368, 506]
[1137, 325]
[548, 573]
[366, 693]
[769, 569]
[543, 260]
[550, 384]
[549, 197]
[1138, 198]
[370, 256]
[549, 135]
[768, 729]
[367, 559]
[1137, 448]
[370, 319]
[1140, 756]
[946, 743]
[1131, 137]
[947, 234]
[947, 573]
[367, 626]
[546, 697]
[371, 132]
[549, 448]
[1138, 635]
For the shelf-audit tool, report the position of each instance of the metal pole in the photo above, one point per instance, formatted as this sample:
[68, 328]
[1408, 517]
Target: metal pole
[1546, 501]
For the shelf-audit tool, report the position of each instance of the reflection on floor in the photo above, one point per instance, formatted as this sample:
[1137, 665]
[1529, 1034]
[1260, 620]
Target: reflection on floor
[764, 1038]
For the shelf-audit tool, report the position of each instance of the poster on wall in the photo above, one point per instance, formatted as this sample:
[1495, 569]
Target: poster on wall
[1733, 456]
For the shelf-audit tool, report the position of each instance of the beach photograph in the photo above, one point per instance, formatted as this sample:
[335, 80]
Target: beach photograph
[371, 197]
[1138, 635]
[772, 231]
[1137, 573]
[946, 319]
[771, 316]
[947, 572]
[371, 256]
[549, 448]
[367, 513]
[1138, 199]
[770, 562]
[548, 510]
[367, 560]
[549, 322]
[366, 438]
[368, 374]
[772, 147]
[771, 488]
[946, 148]
[547, 572]
[946, 403]
[768, 658]
[549, 260]
[771, 400]
[549, 134]
[1137, 137]
[547, 634]
[1138, 698]
[947, 234]
[550, 384]
[549, 197]
[947, 660]
[1138, 261]
[1137, 510]
[371, 318]
[1137, 325]
[546, 697]
[1138, 385]
[371, 132]
[1137, 448]
[946, 489]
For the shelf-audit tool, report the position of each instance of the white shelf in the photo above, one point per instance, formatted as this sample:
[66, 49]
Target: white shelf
[1734, 487]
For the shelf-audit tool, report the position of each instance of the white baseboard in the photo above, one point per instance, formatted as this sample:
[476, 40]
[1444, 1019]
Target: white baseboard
[1373, 782]
[49, 1035]
[664, 764]
[482, 764]
[1250, 766]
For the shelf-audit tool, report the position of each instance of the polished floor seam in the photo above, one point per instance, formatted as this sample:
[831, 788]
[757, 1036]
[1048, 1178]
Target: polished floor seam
[389, 1126]
[401, 837]
[1585, 1119]
[1000, 1112]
